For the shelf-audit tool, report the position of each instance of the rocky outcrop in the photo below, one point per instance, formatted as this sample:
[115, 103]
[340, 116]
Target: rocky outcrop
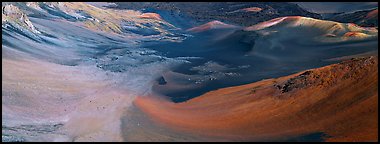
[300, 81]
[13, 16]
[353, 69]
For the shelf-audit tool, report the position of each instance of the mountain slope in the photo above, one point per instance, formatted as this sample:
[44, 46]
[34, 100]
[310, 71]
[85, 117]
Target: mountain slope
[366, 18]
[72, 70]
[99, 19]
[237, 13]
[317, 29]
[15, 19]
[211, 25]
[273, 48]
[298, 36]
[334, 103]
[61, 76]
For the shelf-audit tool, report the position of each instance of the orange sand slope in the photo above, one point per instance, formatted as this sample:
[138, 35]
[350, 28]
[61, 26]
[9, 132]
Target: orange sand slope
[151, 16]
[252, 9]
[211, 25]
[373, 14]
[339, 100]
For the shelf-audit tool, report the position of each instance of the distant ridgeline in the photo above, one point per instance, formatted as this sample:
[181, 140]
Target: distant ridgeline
[238, 13]
[366, 18]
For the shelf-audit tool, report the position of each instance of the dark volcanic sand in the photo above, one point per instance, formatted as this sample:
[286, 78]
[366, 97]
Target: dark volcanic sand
[233, 53]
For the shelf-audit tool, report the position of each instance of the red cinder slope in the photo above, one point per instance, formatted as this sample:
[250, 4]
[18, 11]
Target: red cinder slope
[340, 100]
[211, 25]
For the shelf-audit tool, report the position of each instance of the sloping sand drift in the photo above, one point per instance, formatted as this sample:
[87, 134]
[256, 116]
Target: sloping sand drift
[211, 25]
[338, 100]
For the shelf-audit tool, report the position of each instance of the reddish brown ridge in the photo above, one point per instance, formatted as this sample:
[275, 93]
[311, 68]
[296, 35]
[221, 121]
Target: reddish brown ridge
[340, 100]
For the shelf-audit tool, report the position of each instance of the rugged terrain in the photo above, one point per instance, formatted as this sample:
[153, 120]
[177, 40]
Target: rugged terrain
[257, 71]
[238, 13]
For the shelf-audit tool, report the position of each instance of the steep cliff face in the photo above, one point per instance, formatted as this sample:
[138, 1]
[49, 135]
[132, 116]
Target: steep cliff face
[334, 103]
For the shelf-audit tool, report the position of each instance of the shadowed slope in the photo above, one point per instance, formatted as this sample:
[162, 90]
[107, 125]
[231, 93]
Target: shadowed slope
[237, 13]
[362, 18]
